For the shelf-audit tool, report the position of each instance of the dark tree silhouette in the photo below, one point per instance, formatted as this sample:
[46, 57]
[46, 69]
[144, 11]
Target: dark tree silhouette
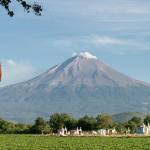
[37, 9]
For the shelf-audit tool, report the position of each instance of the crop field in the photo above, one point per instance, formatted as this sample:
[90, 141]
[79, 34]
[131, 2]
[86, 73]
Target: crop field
[33, 142]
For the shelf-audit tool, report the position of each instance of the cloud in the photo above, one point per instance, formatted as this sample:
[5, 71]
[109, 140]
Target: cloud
[104, 40]
[109, 43]
[123, 8]
[90, 39]
[98, 11]
[119, 46]
[14, 72]
[110, 6]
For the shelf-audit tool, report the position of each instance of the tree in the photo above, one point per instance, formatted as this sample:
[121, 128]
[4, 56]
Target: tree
[133, 123]
[87, 123]
[6, 127]
[104, 121]
[137, 120]
[12, 128]
[120, 127]
[37, 9]
[21, 128]
[59, 120]
[3, 126]
[40, 126]
[147, 120]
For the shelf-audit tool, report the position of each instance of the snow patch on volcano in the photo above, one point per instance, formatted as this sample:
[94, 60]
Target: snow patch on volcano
[87, 55]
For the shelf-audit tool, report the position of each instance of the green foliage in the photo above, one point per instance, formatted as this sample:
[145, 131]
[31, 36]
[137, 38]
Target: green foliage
[147, 120]
[104, 121]
[21, 128]
[5, 126]
[12, 128]
[136, 120]
[59, 120]
[120, 128]
[27, 7]
[87, 123]
[40, 127]
[134, 123]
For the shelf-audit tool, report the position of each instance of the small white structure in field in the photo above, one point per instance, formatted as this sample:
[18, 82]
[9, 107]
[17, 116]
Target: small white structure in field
[102, 132]
[143, 129]
[94, 133]
[111, 131]
[78, 131]
[62, 131]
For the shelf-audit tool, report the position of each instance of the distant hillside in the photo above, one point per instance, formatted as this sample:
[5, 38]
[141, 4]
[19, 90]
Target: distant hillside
[81, 85]
[126, 116]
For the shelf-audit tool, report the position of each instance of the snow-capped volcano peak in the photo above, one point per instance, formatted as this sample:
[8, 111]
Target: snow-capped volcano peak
[87, 55]
[80, 85]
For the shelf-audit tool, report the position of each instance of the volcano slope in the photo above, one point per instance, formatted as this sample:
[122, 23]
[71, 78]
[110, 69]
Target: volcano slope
[81, 85]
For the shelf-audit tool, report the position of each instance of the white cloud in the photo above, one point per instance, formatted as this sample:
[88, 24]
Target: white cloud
[117, 45]
[90, 39]
[123, 8]
[105, 40]
[14, 72]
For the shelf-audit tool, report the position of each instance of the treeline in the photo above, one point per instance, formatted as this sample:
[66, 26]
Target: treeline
[59, 120]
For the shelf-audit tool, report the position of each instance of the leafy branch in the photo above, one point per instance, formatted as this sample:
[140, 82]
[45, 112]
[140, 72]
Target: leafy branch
[37, 9]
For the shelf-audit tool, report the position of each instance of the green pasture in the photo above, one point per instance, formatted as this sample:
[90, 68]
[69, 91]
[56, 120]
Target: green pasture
[35, 142]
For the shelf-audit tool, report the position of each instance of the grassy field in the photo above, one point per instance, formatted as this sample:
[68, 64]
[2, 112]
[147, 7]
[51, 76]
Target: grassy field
[32, 142]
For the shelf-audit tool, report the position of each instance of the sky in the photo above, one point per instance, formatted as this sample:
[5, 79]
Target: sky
[116, 31]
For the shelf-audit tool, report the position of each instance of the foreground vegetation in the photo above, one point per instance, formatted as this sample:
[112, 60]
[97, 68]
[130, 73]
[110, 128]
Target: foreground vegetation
[33, 142]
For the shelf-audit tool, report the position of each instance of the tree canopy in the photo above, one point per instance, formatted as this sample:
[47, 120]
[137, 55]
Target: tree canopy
[147, 120]
[133, 123]
[40, 126]
[59, 120]
[87, 123]
[37, 9]
[104, 121]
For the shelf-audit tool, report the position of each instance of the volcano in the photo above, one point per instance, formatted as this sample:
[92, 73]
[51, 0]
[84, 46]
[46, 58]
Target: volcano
[81, 85]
